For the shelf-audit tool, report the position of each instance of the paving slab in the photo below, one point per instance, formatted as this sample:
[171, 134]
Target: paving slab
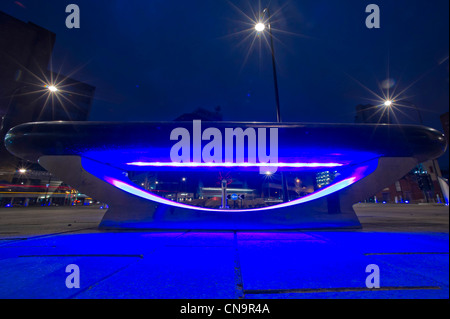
[409, 244]
[173, 273]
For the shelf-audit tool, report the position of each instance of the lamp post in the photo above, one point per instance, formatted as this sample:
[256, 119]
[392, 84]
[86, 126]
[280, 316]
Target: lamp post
[260, 27]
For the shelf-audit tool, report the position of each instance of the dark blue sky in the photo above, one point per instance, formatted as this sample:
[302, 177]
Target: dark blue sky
[154, 60]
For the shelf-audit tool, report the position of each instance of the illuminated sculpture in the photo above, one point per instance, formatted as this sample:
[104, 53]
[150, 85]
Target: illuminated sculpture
[94, 157]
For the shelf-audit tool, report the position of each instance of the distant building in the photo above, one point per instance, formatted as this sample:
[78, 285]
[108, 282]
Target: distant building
[25, 54]
[371, 114]
[25, 49]
[325, 178]
[202, 114]
[420, 185]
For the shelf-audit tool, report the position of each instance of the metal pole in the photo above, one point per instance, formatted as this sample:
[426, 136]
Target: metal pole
[420, 115]
[277, 98]
[224, 193]
[416, 108]
[275, 79]
[418, 112]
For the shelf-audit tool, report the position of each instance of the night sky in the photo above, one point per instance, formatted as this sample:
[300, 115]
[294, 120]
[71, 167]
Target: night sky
[154, 60]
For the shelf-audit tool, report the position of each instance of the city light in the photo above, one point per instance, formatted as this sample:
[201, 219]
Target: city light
[388, 103]
[52, 88]
[22, 171]
[244, 164]
[260, 27]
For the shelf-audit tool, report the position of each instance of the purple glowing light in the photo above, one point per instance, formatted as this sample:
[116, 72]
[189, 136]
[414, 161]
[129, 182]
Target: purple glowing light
[149, 196]
[193, 164]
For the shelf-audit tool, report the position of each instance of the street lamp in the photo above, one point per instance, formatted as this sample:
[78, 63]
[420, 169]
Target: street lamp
[388, 104]
[52, 88]
[260, 27]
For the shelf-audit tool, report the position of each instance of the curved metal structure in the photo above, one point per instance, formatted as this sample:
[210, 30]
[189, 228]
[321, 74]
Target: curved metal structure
[94, 157]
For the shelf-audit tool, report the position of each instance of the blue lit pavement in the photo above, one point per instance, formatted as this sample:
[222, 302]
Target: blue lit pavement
[413, 262]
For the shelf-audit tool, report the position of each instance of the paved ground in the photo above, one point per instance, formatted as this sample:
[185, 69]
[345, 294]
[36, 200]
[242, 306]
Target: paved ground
[409, 244]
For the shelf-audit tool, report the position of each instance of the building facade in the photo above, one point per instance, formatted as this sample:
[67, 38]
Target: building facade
[421, 184]
[26, 96]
